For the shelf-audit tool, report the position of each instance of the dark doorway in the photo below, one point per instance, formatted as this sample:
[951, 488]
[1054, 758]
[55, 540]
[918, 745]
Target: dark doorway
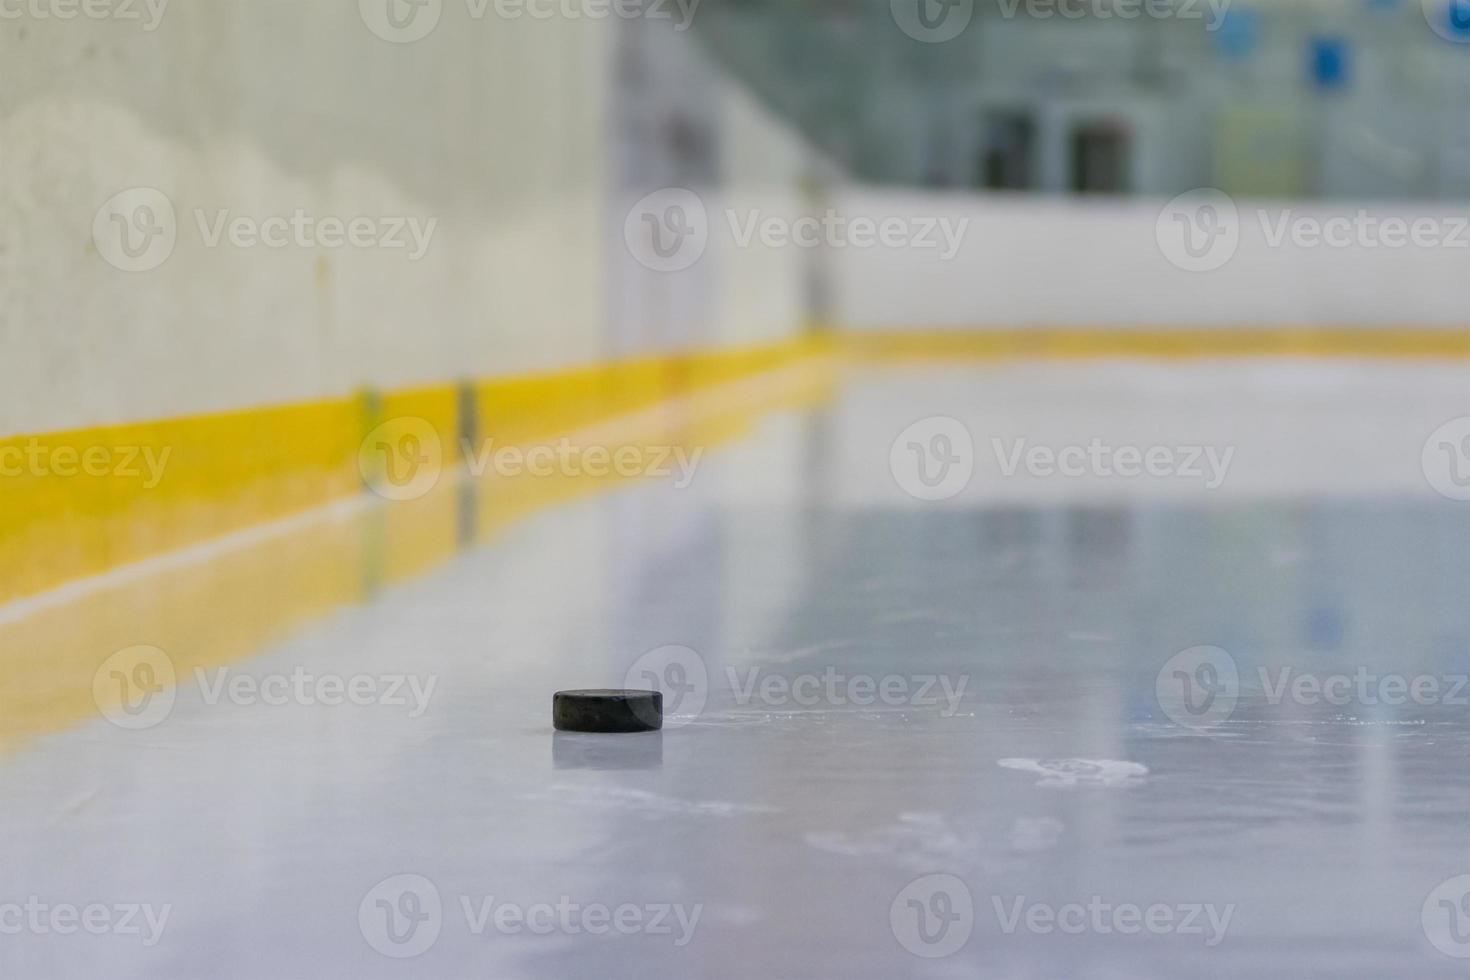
[1100, 153]
[1006, 150]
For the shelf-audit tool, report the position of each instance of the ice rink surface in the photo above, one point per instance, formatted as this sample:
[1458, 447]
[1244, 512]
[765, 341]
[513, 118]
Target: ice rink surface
[919, 738]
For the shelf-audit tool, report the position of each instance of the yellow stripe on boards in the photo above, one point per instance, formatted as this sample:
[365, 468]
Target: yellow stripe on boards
[1084, 343]
[85, 501]
[221, 600]
[79, 503]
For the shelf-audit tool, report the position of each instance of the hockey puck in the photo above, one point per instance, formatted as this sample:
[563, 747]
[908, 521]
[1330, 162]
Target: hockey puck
[608, 712]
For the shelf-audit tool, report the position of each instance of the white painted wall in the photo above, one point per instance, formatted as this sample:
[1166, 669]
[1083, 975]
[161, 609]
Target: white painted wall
[495, 129]
[763, 288]
[1050, 262]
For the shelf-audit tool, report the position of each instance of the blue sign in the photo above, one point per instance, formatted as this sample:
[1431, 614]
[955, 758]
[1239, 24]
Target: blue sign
[1331, 62]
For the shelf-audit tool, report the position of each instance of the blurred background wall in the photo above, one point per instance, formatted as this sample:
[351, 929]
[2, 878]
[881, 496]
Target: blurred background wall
[505, 155]
[1110, 263]
[1260, 98]
[514, 146]
[1122, 164]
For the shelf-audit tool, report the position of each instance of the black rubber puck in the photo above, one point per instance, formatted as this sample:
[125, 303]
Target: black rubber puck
[608, 712]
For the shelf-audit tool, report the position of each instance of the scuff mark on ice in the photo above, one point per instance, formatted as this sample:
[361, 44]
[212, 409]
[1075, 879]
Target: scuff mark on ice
[1072, 773]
